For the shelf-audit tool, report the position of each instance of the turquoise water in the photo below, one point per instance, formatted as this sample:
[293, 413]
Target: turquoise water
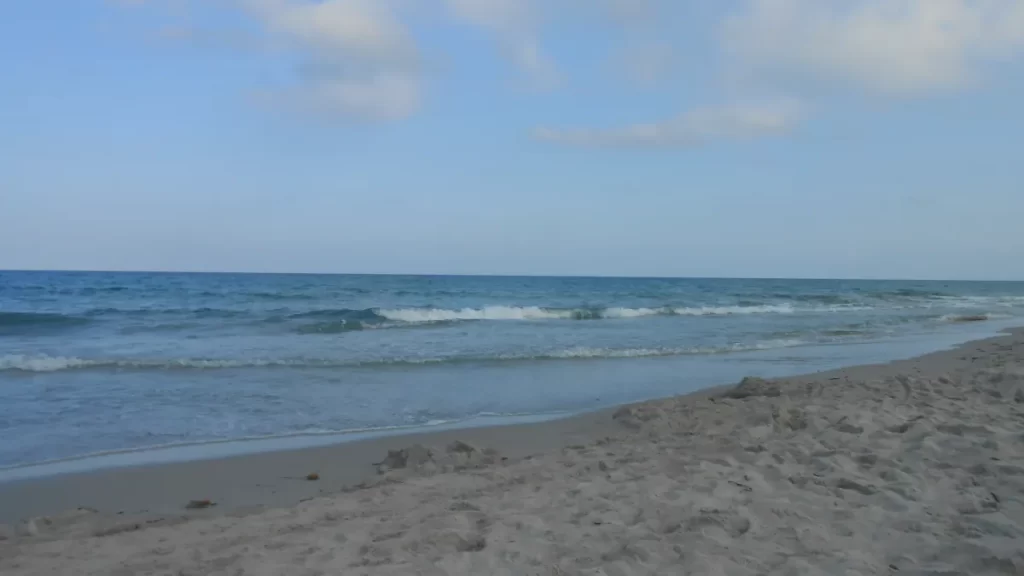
[96, 362]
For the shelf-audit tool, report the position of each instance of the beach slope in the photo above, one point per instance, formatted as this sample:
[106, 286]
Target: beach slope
[914, 467]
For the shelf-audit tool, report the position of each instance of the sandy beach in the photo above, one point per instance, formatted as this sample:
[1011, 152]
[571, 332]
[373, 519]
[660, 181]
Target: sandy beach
[913, 467]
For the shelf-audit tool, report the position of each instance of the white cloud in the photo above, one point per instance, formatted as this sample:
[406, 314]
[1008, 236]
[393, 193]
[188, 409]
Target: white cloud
[691, 129]
[515, 22]
[360, 60]
[888, 47]
[365, 28]
[897, 47]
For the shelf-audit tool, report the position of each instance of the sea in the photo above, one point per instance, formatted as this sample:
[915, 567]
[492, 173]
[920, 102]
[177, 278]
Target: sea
[99, 365]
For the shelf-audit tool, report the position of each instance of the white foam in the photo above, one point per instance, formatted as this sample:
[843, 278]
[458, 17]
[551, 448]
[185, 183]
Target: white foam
[424, 315]
[731, 310]
[414, 315]
[632, 312]
[28, 363]
[40, 363]
[587, 352]
[973, 317]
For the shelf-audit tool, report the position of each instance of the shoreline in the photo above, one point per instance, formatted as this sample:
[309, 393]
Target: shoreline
[913, 467]
[157, 455]
[252, 481]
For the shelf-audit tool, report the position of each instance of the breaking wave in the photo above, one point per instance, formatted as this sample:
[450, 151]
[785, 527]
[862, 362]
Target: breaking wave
[347, 320]
[420, 315]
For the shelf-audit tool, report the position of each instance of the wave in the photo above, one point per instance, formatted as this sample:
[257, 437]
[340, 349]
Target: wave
[25, 363]
[275, 296]
[339, 327]
[104, 289]
[17, 322]
[157, 328]
[916, 293]
[360, 318]
[419, 315]
[200, 313]
[40, 363]
[906, 295]
[338, 321]
[834, 299]
[342, 320]
[339, 313]
[840, 332]
[762, 309]
[345, 319]
[963, 318]
[586, 353]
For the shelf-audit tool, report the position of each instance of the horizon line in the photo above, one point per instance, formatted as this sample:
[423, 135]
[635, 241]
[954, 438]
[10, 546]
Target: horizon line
[494, 275]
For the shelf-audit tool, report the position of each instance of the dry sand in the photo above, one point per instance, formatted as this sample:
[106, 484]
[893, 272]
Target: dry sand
[914, 467]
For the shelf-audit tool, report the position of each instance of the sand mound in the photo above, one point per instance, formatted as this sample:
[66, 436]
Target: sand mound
[754, 387]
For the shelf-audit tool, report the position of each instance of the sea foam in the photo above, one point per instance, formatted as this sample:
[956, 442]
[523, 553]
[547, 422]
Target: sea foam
[420, 315]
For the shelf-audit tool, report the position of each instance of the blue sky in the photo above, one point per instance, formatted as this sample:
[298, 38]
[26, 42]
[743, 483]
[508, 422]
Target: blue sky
[807, 138]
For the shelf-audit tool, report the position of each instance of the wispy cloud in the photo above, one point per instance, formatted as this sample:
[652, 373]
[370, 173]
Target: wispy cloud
[885, 47]
[889, 47]
[515, 24]
[358, 58]
[691, 129]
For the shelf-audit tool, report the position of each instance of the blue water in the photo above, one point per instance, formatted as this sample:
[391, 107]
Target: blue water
[97, 362]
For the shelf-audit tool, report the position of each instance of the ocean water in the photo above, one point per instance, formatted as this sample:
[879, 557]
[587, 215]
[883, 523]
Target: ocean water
[100, 362]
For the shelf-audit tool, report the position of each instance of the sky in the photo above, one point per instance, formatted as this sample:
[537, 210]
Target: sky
[751, 138]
